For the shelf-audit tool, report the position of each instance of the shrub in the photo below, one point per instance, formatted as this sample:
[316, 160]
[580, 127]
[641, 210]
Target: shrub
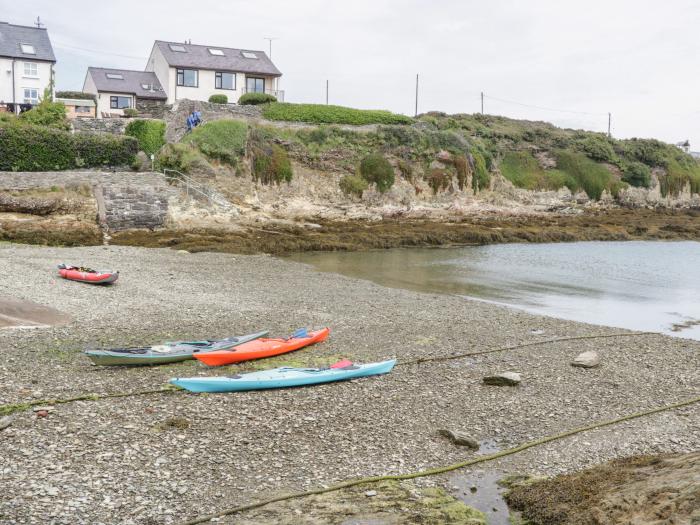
[405, 169]
[321, 114]
[218, 99]
[254, 99]
[181, 157]
[637, 174]
[224, 140]
[374, 168]
[481, 178]
[439, 179]
[47, 113]
[353, 185]
[39, 148]
[271, 164]
[131, 112]
[462, 167]
[149, 133]
[79, 95]
[597, 147]
[584, 174]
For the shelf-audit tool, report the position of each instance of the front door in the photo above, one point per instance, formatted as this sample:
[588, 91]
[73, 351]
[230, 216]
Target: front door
[254, 85]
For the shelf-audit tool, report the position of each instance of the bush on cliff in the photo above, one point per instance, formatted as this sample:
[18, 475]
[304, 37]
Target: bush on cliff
[183, 158]
[637, 174]
[47, 113]
[374, 168]
[255, 99]
[353, 185]
[323, 114]
[271, 164]
[481, 180]
[218, 99]
[38, 148]
[149, 133]
[223, 140]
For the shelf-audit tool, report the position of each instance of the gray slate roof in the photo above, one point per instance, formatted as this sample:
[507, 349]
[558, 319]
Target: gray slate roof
[199, 57]
[132, 82]
[11, 36]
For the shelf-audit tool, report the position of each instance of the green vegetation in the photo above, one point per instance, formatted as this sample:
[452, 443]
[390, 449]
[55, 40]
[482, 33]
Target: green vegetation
[223, 140]
[353, 185]
[27, 147]
[482, 178]
[149, 133]
[76, 95]
[218, 99]
[131, 112]
[374, 168]
[181, 157]
[524, 171]
[585, 174]
[637, 174]
[47, 113]
[321, 114]
[271, 165]
[254, 99]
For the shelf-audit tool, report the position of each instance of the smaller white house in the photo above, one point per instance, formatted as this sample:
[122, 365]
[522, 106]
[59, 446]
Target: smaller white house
[195, 72]
[26, 66]
[120, 89]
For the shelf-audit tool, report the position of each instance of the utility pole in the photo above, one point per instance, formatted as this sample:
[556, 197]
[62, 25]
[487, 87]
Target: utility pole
[482, 102]
[609, 121]
[326, 92]
[270, 39]
[416, 114]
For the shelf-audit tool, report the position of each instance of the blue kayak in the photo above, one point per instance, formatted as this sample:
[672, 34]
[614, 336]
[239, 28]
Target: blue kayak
[283, 377]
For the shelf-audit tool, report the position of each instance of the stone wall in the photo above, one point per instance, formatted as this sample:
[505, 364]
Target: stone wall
[151, 108]
[129, 200]
[115, 126]
[176, 118]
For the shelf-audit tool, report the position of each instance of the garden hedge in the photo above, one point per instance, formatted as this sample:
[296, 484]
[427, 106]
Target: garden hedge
[149, 133]
[38, 148]
[218, 99]
[254, 99]
[321, 114]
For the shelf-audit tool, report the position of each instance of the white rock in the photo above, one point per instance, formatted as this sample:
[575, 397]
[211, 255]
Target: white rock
[589, 359]
[503, 379]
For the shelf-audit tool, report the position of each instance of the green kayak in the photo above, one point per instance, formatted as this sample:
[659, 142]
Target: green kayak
[167, 352]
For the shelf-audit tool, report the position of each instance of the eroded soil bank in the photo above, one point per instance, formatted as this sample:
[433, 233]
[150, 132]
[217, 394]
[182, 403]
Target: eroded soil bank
[281, 238]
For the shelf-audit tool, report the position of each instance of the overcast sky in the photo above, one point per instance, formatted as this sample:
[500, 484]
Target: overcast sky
[638, 59]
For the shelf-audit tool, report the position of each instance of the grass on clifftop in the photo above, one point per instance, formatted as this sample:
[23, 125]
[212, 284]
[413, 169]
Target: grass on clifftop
[223, 140]
[323, 114]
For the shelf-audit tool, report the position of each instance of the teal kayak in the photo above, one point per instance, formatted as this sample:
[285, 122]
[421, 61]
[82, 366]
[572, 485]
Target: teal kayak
[172, 352]
[283, 377]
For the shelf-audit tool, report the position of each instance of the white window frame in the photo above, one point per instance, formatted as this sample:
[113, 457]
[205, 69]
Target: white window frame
[31, 70]
[29, 99]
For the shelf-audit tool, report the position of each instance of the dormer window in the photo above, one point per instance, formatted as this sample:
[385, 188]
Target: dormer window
[114, 76]
[27, 49]
[177, 48]
[216, 52]
[249, 54]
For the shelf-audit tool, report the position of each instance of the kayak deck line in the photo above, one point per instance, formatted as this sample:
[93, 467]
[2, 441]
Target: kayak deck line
[442, 469]
[18, 407]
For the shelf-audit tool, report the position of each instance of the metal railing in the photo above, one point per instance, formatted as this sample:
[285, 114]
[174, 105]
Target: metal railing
[196, 188]
[277, 93]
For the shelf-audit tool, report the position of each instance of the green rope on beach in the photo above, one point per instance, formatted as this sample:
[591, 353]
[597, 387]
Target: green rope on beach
[439, 470]
[523, 345]
[18, 407]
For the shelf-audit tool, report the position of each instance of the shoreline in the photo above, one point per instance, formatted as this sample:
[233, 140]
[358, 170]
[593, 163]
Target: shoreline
[82, 459]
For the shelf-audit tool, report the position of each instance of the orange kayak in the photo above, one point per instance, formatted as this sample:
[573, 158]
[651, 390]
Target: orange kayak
[263, 347]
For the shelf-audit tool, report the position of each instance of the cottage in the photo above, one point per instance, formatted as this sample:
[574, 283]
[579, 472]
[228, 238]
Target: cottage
[195, 72]
[120, 89]
[79, 107]
[26, 66]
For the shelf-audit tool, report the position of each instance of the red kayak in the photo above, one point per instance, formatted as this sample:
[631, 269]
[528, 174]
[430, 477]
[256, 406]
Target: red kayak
[263, 347]
[86, 275]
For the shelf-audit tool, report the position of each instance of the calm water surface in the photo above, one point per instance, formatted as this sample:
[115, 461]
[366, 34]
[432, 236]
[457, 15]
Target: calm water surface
[651, 286]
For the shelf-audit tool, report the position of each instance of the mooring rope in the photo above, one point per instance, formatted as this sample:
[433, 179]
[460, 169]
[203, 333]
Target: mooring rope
[437, 470]
[522, 345]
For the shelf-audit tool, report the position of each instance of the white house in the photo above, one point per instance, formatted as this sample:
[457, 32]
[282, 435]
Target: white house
[119, 89]
[195, 72]
[26, 66]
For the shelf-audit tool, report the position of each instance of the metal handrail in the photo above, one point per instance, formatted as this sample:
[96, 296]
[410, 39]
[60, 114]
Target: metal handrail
[211, 194]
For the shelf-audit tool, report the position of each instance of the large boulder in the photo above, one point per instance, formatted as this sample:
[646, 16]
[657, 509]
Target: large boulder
[503, 379]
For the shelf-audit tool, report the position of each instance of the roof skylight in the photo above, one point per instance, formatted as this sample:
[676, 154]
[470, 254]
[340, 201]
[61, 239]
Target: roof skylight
[216, 52]
[27, 49]
[114, 76]
[177, 47]
[249, 54]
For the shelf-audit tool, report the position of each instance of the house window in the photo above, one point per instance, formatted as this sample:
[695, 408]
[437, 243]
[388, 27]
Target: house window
[27, 49]
[30, 69]
[225, 80]
[249, 54]
[83, 109]
[255, 85]
[31, 96]
[116, 102]
[188, 77]
[178, 48]
[114, 76]
[216, 52]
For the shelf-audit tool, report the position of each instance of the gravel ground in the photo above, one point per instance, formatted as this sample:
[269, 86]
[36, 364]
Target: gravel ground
[119, 461]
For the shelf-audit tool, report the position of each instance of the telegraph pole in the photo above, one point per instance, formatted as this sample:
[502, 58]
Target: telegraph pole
[609, 121]
[270, 39]
[482, 102]
[416, 114]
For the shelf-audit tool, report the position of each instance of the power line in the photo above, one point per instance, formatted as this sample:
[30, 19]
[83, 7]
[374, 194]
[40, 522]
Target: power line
[545, 108]
[96, 52]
